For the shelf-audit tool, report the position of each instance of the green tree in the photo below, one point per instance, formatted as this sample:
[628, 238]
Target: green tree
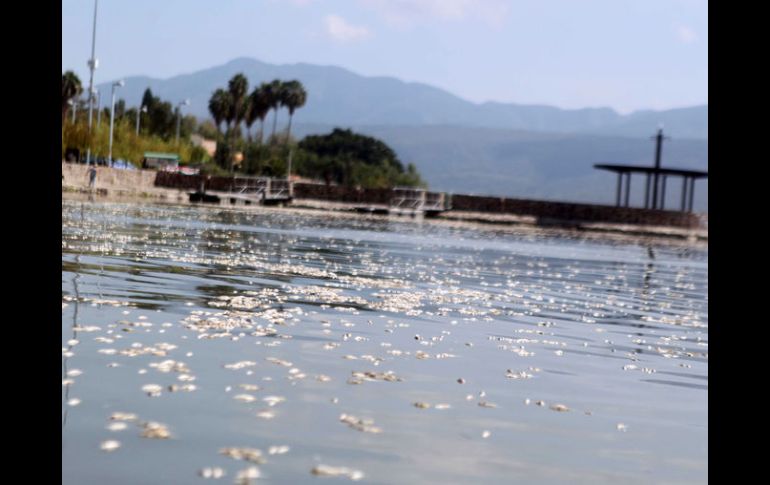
[238, 88]
[273, 93]
[71, 88]
[352, 159]
[259, 106]
[219, 107]
[293, 96]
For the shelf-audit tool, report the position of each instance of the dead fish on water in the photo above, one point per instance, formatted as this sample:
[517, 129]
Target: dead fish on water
[245, 476]
[211, 472]
[376, 376]
[152, 390]
[337, 471]
[486, 404]
[248, 454]
[365, 425]
[110, 445]
[156, 431]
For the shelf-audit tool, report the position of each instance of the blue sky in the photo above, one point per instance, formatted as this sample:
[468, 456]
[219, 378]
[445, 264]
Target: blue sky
[624, 54]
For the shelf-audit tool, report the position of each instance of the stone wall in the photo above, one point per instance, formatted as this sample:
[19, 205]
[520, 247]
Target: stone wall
[339, 193]
[75, 174]
[548, 211]
[544, 211]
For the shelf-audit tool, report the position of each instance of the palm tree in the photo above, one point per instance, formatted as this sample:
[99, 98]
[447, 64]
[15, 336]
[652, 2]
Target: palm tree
[259, 107]
[219, 106]
[274, 96]
[293, 96]
[238, 87]
[70, 88]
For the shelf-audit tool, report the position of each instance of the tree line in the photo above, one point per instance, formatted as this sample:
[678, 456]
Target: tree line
[341, 157]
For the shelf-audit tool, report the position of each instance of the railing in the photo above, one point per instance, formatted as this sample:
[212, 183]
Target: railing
[417, 200]
[265, 187]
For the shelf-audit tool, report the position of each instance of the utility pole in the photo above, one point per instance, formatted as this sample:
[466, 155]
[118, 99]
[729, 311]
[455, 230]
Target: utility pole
[658, 148]
[92, 64]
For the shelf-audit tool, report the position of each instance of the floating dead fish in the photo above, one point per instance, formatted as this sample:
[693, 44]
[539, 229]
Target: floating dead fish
[273, 400]
[211, 472]
[559, 407]
[278, 450]
[240, 365]
[152, 390]
[244, 398]
[170, 366]
[422, 405]
[622, 427]
[117, 426]
[284, 363]
[73, 402]
[365, 425]
[155, 430]
[249, 387]
[376, 376]
[118, 416]
[486, 404]
[267, 414]
[486, 434]
[245, 476]
[248, 454]
[337, 471]
[517, 375]
[110, 445]
[182, 388]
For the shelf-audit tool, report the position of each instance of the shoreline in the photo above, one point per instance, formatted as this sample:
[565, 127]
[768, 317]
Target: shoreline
[458, 219]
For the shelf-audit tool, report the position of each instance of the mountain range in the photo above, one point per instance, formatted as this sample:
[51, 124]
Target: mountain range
[488, 148]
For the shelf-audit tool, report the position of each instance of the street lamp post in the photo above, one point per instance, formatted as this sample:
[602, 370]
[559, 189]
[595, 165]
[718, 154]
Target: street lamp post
[72, 102]
[117, 84]
[98, 108]
[186, 102]
[139, 111]
[93, 63]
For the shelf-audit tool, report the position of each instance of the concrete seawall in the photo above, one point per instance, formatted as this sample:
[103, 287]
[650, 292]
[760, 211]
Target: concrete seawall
[116, 182]
[501, 210]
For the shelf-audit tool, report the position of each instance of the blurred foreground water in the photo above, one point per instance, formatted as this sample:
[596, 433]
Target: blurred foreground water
[202, 342]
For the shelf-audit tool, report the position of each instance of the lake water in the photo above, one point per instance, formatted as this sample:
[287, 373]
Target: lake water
[396, 351]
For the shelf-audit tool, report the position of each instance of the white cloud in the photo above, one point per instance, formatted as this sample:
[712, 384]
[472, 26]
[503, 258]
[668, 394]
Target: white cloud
[340, 30]
[408, 12]
[686, 34]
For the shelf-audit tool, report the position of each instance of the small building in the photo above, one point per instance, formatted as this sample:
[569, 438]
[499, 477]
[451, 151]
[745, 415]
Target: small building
[161, 161]
[210, 146]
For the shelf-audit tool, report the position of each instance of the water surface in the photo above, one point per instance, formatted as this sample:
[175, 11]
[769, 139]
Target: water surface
[486, 330]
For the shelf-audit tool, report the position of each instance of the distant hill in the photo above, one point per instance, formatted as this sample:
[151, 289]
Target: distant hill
[531, 164]
[339, 96]
[463, 147]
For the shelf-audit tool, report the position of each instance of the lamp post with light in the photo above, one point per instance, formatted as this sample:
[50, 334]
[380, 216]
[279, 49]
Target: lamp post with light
[186, 102]
[116, 84]
[139, 112]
